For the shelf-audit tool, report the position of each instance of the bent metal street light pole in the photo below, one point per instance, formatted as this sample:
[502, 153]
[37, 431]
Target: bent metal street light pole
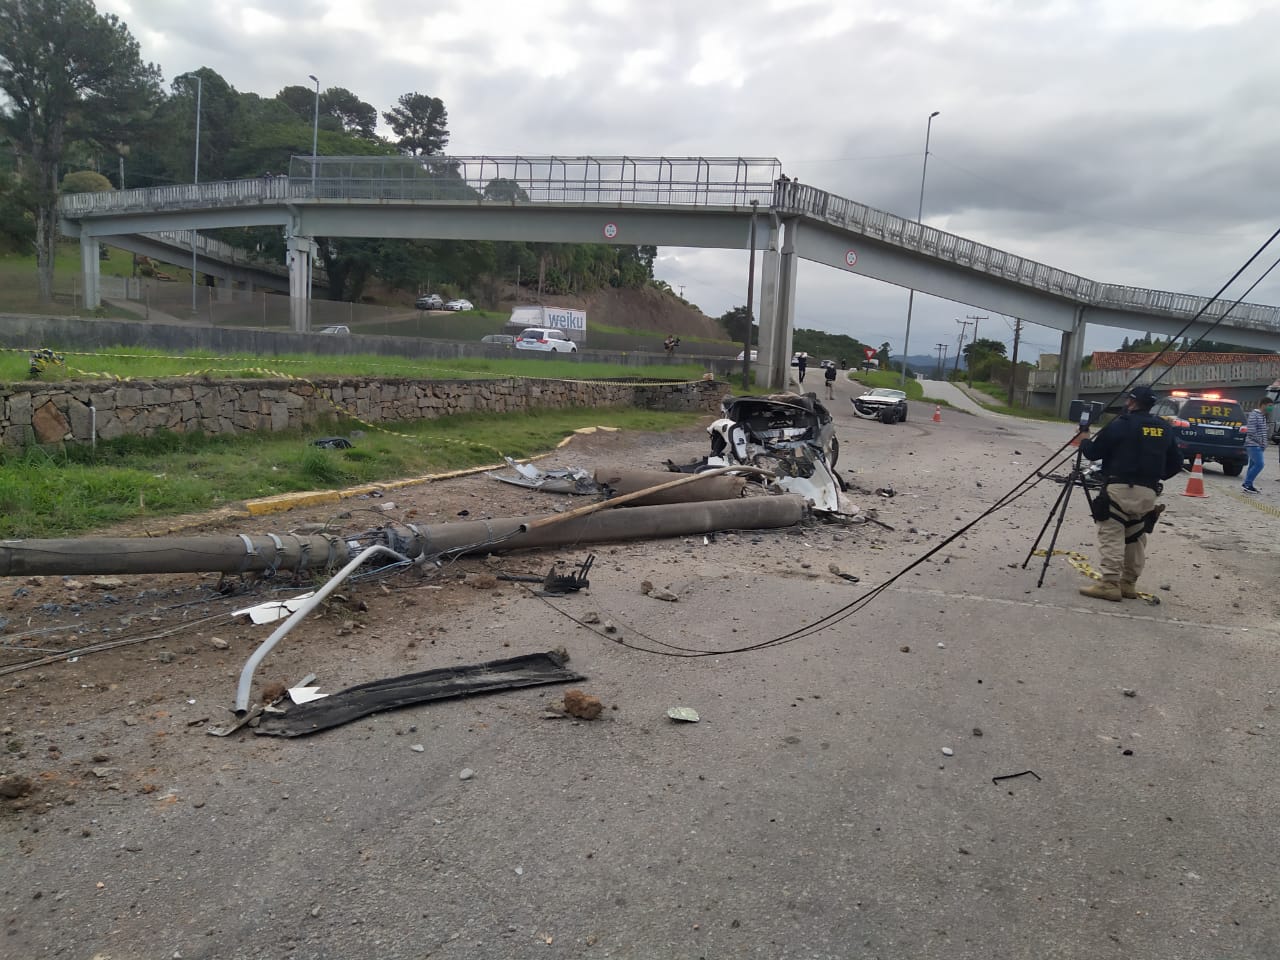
[911, 296]
[315, 133]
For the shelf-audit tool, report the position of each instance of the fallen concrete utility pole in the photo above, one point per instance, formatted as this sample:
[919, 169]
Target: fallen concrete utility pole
[624, 480]
[244, 554]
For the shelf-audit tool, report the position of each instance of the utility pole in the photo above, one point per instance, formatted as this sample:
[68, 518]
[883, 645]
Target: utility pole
[941, 362]
[974, 341]
[1013, 367]
[964, 326]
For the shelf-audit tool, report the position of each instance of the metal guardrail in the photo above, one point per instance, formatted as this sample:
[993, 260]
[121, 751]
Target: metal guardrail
[692, 181]
[1181, 375]
[792, 197]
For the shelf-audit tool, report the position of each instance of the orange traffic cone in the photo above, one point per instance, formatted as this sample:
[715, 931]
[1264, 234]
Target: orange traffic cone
[937, 413]
[1195, 482]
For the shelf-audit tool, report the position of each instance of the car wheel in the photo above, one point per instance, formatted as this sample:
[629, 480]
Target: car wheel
[1232, 469]
[903, 415]
[554, 350]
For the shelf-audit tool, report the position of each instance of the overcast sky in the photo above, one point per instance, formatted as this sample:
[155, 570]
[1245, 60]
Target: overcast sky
[1130, 141]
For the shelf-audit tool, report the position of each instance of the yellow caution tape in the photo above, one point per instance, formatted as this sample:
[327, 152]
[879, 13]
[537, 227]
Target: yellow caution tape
[1081, 563]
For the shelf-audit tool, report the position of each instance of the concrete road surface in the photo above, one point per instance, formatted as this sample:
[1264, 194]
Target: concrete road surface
[940, 760]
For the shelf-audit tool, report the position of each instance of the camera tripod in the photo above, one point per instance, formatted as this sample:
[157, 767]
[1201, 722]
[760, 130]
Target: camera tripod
[1076, 478]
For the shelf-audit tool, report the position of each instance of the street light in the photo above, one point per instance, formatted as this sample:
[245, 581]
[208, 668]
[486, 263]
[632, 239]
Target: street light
[911, 296]
[196, 179]
[315, 134]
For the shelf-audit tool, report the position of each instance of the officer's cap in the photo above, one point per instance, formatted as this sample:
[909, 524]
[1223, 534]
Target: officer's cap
[1144, 395]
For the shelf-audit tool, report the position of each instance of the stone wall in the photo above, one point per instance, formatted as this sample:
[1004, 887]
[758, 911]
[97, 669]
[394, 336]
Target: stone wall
[76, 412]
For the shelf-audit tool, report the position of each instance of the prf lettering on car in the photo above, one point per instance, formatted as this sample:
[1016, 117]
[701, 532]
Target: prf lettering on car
[1211, 413]
[1153, 431]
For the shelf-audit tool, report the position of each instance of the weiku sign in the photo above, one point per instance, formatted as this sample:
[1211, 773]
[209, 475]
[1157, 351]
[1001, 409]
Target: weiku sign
[572, 322]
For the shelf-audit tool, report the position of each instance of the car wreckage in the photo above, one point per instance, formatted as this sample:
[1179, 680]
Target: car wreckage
[790, 435]
[881, 403]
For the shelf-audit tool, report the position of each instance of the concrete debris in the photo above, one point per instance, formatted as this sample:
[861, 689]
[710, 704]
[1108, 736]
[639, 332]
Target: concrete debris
[683, 714]
[948, 752]
[481, 581]
[218, 643]
[14, 787]
[582, 705]
[466, 773]
[659, 593]
[106, 583]
[574, 480]
[591, 617]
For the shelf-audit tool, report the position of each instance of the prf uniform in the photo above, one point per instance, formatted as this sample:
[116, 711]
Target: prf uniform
[1137, 451]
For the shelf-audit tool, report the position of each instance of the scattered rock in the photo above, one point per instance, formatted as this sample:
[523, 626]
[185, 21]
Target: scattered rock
[977, 731]
[609, 626]
[1129, 692]
[658, 593]
[582, 705]
[481, 581]
[948, 752]
[219, 643]
[466, 774]
[646, 586]
[273, 692]
[14, 786]
[106, 583]
[685, 714]
[591, 617]
[418, 748]
[166, 656]
[905, 648]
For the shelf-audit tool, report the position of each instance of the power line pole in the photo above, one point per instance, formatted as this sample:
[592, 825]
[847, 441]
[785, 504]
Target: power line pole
[974, 343]
[941, 362]
[964, 326]
[1013, 368]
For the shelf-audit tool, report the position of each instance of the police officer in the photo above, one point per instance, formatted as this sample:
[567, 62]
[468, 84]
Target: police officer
[1137, 451]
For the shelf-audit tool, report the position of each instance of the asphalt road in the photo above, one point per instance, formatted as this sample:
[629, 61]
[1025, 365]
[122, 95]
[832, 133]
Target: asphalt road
[841, 796]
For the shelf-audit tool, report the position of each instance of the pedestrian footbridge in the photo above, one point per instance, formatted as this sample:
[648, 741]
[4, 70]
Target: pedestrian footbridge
[732, 203]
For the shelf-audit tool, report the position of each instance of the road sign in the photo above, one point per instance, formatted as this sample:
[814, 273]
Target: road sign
[610, 230]
[851, 258]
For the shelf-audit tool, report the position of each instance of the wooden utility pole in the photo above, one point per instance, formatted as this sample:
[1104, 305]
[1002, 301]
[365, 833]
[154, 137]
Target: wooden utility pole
[974, 342]
[1013, 368]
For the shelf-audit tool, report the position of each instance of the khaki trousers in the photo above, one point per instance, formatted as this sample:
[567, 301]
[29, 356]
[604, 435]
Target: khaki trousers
[1124, 561]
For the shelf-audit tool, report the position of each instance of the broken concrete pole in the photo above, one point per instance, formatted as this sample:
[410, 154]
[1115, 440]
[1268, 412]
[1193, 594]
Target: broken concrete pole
[244, 554]
[624, 480]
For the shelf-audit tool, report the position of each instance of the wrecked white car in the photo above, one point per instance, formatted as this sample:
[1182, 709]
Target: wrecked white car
[881, 403]
[790, 435]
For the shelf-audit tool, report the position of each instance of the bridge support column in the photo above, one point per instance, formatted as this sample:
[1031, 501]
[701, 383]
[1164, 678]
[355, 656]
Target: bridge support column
[90, 271]
[1070, 355]
[299, 258]
[763, 367]
[778, 297]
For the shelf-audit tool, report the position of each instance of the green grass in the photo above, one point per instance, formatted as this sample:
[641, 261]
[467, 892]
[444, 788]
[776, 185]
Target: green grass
[78, 489]
[888, 378]
[138, 363]
[1000, 392]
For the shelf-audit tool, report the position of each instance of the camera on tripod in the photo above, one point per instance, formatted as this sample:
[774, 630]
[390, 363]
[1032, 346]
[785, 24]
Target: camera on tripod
[1085, 412]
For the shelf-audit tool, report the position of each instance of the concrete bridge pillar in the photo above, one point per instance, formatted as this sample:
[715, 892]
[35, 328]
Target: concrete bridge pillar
[763, 366]
[778, 307]
[1070, 355]
[301, 252]
[90, 271]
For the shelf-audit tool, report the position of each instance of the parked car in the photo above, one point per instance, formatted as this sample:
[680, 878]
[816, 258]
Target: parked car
[502, 339]
[459, 304]
[881, 403]
[337, 330]
[431, 301]
[1208, 424]
[546, 339]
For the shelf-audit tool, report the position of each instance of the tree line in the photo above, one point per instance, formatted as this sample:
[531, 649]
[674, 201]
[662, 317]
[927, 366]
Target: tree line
[77, 97]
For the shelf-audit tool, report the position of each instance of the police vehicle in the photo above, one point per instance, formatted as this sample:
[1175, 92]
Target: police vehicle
[1208, 424]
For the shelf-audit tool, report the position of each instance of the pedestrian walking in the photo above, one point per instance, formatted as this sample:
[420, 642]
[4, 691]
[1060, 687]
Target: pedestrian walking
[1255, 443]
[829, 375]
[802, 362]
[1137, 451]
